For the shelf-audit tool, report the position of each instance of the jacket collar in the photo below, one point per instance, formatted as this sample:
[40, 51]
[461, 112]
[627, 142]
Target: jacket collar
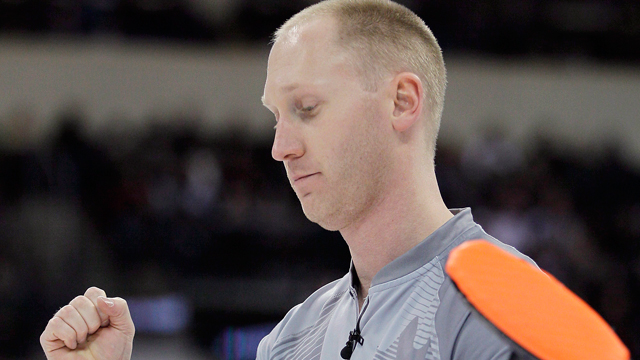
[425, 251]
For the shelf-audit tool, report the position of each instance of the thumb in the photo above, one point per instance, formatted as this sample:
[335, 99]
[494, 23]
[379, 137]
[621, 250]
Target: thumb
[118, 312]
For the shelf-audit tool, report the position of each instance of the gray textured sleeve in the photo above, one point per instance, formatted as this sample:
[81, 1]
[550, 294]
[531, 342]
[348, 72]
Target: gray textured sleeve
[266, 344]
[477, 340]
[263, 349]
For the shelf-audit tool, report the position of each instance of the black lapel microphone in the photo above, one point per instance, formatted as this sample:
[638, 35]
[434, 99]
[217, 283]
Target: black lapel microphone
[354, 339]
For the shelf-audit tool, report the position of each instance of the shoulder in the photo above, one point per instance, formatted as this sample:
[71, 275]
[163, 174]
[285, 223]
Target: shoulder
[476, 232]
[304, 316]
[465, 334]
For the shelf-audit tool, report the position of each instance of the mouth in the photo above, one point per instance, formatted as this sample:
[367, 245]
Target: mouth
[302, 177]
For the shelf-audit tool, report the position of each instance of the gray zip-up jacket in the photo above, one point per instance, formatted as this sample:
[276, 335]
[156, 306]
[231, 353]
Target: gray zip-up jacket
[413, 311]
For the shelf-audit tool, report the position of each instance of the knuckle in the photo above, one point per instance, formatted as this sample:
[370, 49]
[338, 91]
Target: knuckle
[66, 311]
[78, 300]
[57, 327]
[54, 322]
[94, 292]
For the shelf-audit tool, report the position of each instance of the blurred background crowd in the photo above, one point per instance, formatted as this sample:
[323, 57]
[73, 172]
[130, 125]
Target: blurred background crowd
[605, 29]
[201, 232]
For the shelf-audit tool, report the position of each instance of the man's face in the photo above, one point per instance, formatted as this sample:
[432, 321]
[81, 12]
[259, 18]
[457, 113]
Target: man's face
[329, 131]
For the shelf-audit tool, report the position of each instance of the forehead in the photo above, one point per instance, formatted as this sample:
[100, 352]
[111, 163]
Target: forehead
[306, 55]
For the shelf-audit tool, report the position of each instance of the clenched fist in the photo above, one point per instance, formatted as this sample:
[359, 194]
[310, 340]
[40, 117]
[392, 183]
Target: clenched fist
[91, 327]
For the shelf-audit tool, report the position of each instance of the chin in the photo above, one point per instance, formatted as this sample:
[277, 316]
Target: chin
[328, 220]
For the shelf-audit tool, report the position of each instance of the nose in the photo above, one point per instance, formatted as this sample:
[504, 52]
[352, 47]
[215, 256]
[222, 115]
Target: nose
[287, 143]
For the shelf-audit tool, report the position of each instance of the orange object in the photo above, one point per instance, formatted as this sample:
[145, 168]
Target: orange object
[531, 307]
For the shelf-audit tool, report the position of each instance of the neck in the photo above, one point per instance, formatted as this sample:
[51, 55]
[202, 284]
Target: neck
[401, 219]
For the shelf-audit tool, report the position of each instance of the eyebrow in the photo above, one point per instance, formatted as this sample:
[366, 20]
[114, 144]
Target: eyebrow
[289, 88]
[286, 89]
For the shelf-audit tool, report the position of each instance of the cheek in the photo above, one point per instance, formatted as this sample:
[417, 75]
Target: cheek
[362, 150]
[354, 140]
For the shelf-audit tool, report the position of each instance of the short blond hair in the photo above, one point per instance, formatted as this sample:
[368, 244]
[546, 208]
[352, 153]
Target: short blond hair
[385, 38]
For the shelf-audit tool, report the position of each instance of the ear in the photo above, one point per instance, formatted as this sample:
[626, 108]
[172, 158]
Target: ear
[408, 100]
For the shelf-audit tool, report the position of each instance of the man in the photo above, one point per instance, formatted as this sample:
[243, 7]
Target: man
[357, 89]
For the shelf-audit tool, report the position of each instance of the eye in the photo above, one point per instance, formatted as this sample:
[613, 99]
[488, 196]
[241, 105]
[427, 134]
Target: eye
[306, 111]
